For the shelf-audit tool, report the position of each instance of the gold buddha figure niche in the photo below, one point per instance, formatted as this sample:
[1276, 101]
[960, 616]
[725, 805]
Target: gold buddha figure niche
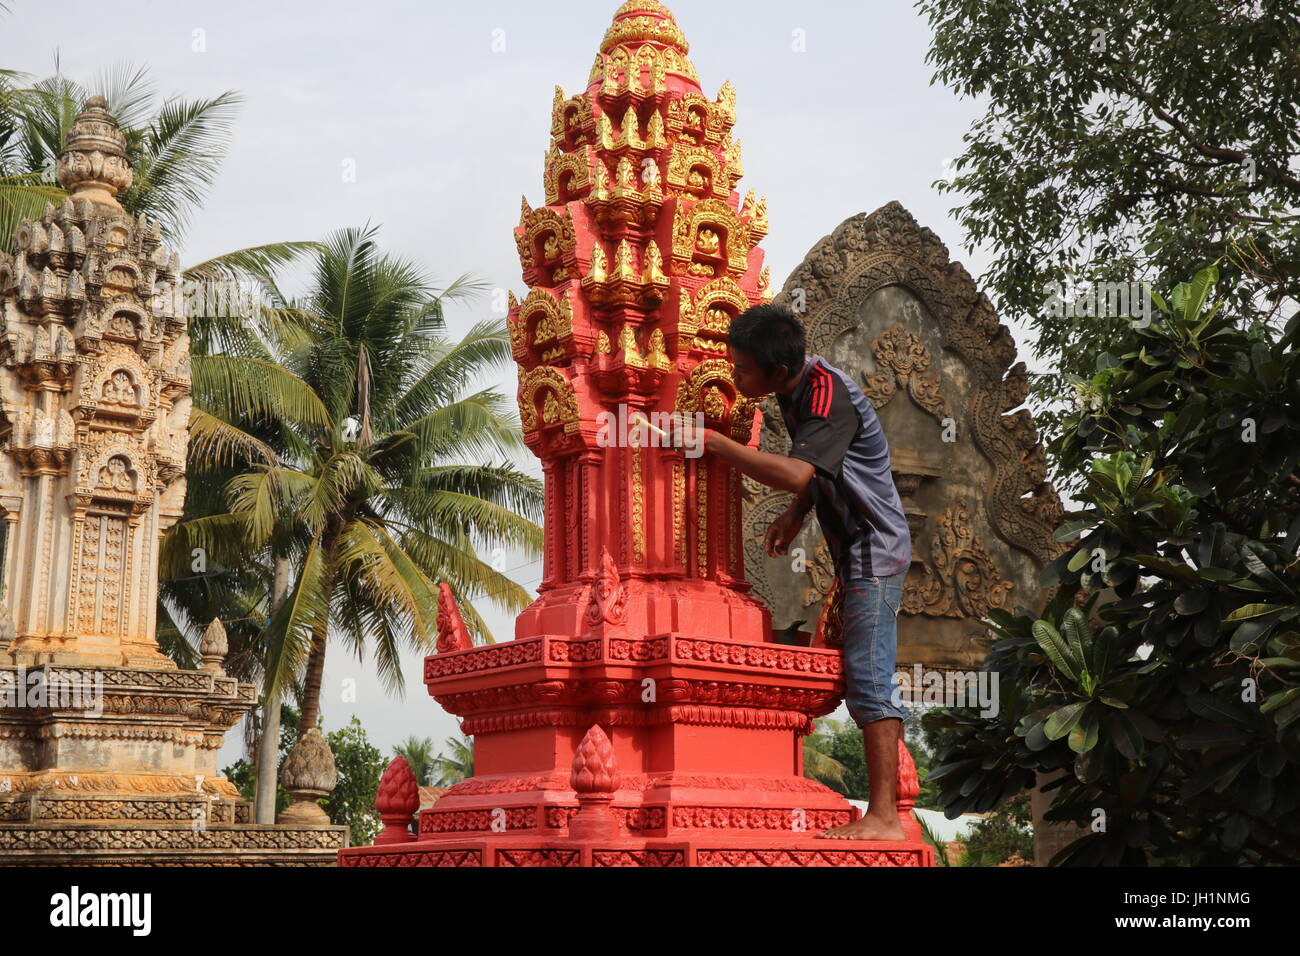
[707, 246]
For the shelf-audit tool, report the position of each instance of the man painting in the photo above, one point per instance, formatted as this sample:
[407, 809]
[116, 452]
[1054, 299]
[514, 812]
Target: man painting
[838, 463]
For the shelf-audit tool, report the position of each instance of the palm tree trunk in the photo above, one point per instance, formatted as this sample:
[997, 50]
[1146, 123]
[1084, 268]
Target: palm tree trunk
[269, 751]
[311, 686]
[316, 657]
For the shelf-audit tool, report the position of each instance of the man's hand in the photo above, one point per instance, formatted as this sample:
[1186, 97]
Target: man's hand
[687, 432]
[782, 531]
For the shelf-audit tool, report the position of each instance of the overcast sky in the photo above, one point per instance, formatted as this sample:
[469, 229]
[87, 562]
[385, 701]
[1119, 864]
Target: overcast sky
[443, 110]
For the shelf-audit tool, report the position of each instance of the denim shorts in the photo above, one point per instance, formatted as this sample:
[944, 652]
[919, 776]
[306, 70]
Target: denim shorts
[870, 632]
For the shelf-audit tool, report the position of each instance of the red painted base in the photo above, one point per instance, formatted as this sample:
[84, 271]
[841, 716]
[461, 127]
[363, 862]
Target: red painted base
[666, 750]
[704, 850]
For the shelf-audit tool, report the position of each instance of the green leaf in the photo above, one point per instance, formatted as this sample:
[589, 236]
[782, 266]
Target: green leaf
[1064, 720]
[1084, 735]
[1253, 610]
[1055, 648]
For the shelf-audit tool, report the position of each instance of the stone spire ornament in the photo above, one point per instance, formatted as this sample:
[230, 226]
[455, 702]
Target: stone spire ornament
[396, 800]
[94, 412]
[213, 647]
[594, 778]
[94, 165]
[308, 774]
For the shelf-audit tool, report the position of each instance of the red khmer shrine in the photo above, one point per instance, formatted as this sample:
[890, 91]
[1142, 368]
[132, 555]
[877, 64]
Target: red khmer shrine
[644, 714]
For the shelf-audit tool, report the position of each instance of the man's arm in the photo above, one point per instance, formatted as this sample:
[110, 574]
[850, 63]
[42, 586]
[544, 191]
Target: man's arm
[775, 471]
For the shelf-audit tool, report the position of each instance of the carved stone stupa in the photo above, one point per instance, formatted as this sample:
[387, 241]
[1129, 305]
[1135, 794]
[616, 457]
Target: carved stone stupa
[107, 750]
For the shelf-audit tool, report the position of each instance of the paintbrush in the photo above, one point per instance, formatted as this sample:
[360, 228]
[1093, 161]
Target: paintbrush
[641, 419]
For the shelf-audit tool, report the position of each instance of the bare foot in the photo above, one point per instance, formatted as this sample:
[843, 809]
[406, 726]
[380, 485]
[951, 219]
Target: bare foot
[867, 828]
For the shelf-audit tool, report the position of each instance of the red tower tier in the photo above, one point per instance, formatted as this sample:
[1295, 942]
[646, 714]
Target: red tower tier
[643, 714]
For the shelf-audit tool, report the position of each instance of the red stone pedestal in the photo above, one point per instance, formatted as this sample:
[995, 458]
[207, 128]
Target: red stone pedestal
[706, 736]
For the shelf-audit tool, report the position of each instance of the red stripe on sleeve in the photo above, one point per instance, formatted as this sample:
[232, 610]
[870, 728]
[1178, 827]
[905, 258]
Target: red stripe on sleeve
[821, 392]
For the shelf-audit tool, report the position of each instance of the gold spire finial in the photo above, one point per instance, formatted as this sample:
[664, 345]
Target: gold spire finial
[640, 20]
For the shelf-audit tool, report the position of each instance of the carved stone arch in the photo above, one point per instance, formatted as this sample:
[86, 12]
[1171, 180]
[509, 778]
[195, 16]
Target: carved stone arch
[122, 387]
[685, 160]
[120, 276]
[116, 470]
[100, 393]
[546, 400]
[689, 222]
[881, 300]
[567, 176]
[888, 248]
[543, 227]
[125, 321]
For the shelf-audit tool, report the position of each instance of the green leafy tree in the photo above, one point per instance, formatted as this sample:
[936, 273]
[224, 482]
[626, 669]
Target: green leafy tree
[1122, 140]
[360, 765]
[819, 754]
[1171, 705]
[834, 755]
[1004, 834]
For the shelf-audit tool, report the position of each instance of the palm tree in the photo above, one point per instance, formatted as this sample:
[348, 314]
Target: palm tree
[376, 501]
[457, 765]
[418, 752]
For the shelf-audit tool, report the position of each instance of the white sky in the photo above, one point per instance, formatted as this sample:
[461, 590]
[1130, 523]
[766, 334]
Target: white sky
[445, 135]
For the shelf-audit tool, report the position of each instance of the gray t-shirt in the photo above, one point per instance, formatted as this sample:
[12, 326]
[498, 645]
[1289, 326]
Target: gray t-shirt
[834, 428]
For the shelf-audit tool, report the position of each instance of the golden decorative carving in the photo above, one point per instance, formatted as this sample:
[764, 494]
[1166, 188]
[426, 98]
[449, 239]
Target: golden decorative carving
[598, 273]
[627, 348]
[679, 512]
[571, 120]
[638, 507]
[702, 518]
[559, 404]
[684, 165]
[550, 229]
[656, 357]
[709, 227]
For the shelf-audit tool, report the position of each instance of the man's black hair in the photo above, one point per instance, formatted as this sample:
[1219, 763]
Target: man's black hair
[772, 335]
